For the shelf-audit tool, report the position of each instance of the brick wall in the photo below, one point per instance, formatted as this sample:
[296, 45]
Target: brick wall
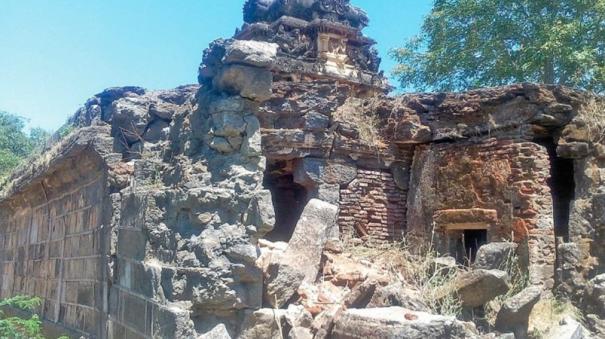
[373, 205]
[506, 176]
[51, 247]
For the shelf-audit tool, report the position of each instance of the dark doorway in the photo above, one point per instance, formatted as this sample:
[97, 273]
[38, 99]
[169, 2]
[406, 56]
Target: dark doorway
[562, 187]
[289, 201]
[473, 240]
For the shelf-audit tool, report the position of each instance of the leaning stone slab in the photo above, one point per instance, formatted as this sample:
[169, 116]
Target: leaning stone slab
[477, 287]
[310, 236]
[301, 260]
[398, 322]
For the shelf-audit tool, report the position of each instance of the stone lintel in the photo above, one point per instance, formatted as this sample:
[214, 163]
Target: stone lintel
[465, 219]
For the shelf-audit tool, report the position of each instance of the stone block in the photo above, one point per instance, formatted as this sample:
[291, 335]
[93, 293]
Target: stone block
[261, 213]
[248, 82]
[228, 124]
[135, 312]
[171, 323]
[218, 332]
[262, 323]
[252, 53]
[495, 255]
[477, 287]
[573, 150]
[398, 322]
[514, 313]
[252, 145]
[131, 244]
[310, 172]
[310, 236]
[314, 121]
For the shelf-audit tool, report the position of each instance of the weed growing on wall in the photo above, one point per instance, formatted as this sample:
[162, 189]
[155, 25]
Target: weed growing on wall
[352, 113]
[593, 115]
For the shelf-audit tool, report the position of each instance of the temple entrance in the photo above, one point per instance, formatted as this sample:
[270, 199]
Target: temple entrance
[289, 199]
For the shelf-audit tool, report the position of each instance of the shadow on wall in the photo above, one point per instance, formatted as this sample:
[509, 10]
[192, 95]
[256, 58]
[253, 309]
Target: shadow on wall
[289, 200]
[562, 187]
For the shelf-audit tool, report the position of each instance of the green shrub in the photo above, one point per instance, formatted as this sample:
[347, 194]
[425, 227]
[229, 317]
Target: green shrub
[20, 328]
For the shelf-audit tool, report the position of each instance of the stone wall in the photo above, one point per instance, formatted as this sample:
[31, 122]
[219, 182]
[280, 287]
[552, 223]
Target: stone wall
[53, 245]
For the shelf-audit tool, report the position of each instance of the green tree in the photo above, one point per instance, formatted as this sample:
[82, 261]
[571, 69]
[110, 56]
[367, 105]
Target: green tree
[466, 44]
[15, 143]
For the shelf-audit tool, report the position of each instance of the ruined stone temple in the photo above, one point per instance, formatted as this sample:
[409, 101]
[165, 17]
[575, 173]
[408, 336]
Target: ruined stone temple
[148, 220]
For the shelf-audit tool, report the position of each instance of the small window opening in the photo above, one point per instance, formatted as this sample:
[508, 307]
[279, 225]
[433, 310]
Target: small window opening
[289, 200]
[562, 187]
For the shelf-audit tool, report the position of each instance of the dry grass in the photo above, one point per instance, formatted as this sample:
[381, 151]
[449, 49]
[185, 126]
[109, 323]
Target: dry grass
[352, 113]
[593, 114]
[417, 271]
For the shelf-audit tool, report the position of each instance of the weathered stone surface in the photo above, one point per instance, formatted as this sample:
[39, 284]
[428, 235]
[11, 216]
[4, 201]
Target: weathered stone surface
[573, 150]
[477, 287]
[261, 213]
[495, 256]
[514, 313]
[252, 53]
[272, 323]
[310, 236]
[568, 329]
[281, 282]
[218, 332]
[312, 172]
[594, 296]
[262, 323]
[397, 295]
[249, 82]
[397, 322]
[300, 333]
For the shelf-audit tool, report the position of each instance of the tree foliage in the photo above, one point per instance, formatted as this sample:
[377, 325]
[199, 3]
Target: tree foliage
[17, 327]
[15, 143]
[466, 44]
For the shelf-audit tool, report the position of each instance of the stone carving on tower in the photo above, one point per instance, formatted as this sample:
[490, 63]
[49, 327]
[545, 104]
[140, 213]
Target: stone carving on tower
[319, 38]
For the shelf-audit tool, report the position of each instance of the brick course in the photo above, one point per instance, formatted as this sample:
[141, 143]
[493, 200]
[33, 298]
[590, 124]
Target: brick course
[372, 205]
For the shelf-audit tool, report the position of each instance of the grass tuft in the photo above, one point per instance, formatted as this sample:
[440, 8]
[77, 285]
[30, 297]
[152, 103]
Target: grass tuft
[352, 112]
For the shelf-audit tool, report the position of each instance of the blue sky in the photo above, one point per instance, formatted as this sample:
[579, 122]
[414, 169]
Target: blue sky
[54, 54]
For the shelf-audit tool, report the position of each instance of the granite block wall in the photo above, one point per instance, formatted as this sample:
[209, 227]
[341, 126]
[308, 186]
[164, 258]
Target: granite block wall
[52, 246]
